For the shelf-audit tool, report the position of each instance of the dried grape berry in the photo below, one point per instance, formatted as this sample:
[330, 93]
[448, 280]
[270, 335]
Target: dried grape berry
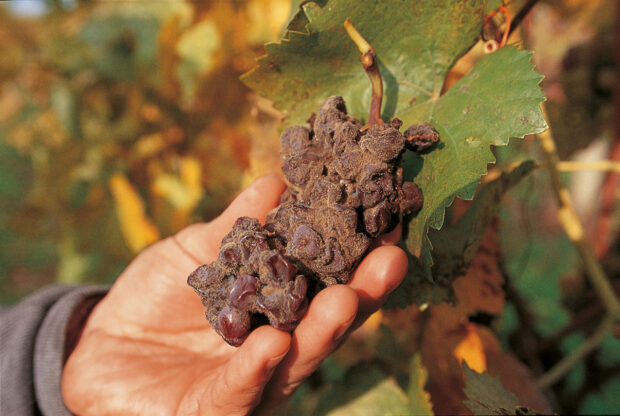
[346, 188]
[421, 136]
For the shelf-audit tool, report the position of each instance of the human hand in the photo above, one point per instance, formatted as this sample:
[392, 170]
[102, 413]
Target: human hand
[147, 348]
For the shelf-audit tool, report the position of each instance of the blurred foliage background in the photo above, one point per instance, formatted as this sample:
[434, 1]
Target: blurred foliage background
[121, 122]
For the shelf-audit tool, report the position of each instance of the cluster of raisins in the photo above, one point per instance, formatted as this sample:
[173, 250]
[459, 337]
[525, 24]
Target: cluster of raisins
[346, 188]
[250, 281]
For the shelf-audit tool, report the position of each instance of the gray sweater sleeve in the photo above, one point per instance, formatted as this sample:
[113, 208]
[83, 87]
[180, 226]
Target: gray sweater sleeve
[32, 349]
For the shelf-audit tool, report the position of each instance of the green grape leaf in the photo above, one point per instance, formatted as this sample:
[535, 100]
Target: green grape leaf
[456, 244]
[487, 395]
[368, 391]
[416, 44]
[419, 399]
[499, 99]
[385, 398]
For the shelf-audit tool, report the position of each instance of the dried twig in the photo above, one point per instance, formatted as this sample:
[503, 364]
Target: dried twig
[563, 367]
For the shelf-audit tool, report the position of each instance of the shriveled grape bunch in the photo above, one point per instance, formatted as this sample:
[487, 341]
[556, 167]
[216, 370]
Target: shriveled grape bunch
[346, 188]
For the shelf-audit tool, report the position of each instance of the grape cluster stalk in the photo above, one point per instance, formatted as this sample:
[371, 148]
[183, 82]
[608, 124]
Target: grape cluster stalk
[346, 188]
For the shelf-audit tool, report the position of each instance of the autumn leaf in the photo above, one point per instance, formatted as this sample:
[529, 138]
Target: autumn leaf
[486, 395]
[137, 228]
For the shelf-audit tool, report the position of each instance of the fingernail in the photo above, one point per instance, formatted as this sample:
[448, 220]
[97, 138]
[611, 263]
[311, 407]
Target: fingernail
[273, 362]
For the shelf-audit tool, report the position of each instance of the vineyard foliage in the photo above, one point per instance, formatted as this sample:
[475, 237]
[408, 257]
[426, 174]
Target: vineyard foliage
[122, 123]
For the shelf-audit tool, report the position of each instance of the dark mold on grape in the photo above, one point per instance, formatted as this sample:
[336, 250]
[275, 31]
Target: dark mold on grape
[346, 188]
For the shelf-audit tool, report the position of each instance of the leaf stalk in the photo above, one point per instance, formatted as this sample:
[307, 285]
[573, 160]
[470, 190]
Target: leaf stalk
[369, 63]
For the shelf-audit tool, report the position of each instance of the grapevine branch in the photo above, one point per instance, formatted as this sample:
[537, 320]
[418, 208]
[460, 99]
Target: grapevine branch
[504, 37]
[574, 229]
[521, 15]
[369, 63]
[563, 367]
[602, 165]
[492, 45]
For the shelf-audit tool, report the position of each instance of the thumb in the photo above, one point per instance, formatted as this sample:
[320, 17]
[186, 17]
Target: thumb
[202, 240]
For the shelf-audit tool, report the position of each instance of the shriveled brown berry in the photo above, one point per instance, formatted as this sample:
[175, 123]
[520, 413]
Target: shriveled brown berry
[420, 137]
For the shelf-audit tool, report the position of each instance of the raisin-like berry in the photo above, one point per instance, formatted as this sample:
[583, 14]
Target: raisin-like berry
[411, 199]
[243, 291]
[420, 137]
[306, 243]
[249, 270]
[234, 324]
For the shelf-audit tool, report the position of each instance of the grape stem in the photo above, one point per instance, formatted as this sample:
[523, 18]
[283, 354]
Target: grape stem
[369, 63]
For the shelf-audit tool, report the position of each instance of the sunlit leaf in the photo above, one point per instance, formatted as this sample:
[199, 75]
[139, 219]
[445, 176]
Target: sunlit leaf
[137, 229]
[385, 398]
[471, 351]
[369, 392]
[497, 100]
[185, 190]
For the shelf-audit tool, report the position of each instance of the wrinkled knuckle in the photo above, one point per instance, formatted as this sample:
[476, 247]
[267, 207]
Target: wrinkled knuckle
[290, 388]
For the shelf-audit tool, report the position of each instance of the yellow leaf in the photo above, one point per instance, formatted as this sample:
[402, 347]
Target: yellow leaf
[373, 322]
[184, 191]
[137, 228]
[471, 350]
[267, 17]
[148, 145]
[196, 49]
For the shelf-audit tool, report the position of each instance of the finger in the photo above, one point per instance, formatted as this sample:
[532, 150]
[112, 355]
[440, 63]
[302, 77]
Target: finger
[238, 388]
[202, 240]
[381, 271]
[330, 315]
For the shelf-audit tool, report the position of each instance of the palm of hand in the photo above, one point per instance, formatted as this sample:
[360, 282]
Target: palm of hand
[147, 348]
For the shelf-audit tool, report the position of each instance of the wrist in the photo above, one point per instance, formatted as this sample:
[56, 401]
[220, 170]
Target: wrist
[77, 322]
